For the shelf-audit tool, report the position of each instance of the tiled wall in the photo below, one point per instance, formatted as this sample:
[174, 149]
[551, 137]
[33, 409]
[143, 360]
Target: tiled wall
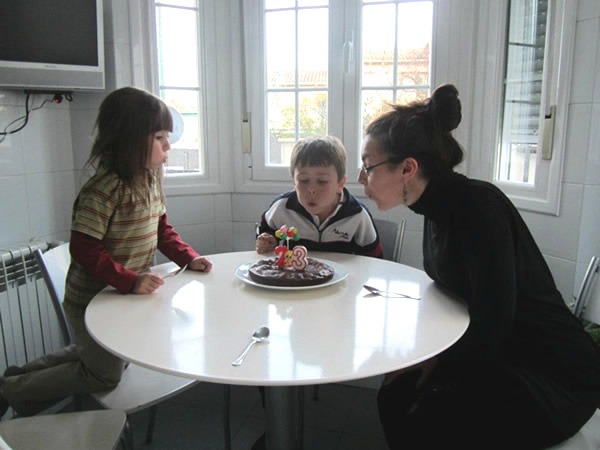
[585, 98]
[36, 171]
[40, 169]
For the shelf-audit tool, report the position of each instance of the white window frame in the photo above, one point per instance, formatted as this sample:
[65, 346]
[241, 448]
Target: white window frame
[452, 61]
[216, 68]
[544, 195]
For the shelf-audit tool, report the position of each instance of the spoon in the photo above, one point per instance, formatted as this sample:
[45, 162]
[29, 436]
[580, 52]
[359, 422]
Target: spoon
[176, 272]
[258, 336]
[374, 290]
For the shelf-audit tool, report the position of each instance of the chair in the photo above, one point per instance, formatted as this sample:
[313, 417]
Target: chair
[391, 235]
[90, 430]
[587, 306]
[139, 388]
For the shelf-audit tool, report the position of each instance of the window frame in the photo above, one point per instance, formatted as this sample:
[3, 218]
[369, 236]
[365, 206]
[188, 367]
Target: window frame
[544, 195]
[215, 26]
[343, 97]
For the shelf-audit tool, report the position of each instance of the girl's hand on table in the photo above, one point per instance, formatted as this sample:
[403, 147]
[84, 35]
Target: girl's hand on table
[147, 283]
[265, 243]
[201, 264]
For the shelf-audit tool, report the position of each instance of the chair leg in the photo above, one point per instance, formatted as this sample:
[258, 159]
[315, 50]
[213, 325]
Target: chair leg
[301, 416]
[151, 420]
[128, 434]
[123, 442]
[226, 416]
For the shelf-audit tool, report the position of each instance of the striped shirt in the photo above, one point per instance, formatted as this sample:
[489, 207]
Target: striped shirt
[108, 209]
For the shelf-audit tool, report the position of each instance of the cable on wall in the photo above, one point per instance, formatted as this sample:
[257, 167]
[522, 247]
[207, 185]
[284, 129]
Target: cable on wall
[57, 97]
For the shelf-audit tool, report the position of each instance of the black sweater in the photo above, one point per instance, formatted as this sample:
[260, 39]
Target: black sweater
[476, 244]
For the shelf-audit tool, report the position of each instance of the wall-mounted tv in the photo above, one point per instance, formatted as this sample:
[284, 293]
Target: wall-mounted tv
[51, 45]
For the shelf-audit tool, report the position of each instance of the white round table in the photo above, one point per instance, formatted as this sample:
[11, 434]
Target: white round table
[196, 324]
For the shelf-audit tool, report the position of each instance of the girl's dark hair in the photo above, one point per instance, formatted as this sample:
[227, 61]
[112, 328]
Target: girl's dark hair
[422, 130]
[127, 119]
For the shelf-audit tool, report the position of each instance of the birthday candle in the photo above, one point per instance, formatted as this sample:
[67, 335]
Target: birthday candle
[299, 257]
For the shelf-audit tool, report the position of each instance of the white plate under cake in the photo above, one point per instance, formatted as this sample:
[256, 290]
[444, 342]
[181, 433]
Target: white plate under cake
[339, 273]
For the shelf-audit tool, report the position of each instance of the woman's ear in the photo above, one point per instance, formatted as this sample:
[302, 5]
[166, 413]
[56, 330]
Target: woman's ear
[410, 166]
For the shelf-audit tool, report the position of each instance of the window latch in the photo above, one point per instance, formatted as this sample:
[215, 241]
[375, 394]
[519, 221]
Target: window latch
[349, 52]
[548, 138]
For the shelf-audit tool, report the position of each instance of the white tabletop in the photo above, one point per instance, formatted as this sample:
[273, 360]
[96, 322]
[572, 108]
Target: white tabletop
[196, 324]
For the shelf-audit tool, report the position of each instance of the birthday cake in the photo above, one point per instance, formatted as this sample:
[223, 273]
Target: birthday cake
[290, 268]
[266, 271]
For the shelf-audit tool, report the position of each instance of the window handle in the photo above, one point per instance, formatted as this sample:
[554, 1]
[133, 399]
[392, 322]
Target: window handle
[349, 52]
[246, 135]
[548, 138]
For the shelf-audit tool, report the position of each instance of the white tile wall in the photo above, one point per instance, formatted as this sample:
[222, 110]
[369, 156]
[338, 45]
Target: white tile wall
[11, 148]
[584, 64]
[249, 207]
[47, 141]
[596, 22]
[191, 209]
[49, 201]
[589, 225]
[588, 9]
[82, 124]
[558, 236]
[589, 244]
[224, 237]
[578, 133]
[36, 169]
[592, 168]
[223, 211]
[563, 272]
[244, 236]
[14, 225]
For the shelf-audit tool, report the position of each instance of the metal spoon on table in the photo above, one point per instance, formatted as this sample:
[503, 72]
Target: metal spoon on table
[383, 293]
[258, 336]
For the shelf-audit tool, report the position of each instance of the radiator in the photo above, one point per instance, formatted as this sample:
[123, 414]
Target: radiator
[28, 324]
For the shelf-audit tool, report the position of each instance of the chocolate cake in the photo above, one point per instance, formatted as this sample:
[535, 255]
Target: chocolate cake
[267, 272]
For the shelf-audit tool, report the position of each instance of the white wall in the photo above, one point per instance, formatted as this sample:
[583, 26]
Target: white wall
[583, 167]
[40, 168]
[36, 171]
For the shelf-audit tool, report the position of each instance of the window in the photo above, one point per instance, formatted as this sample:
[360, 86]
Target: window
[296, 60]
[523, 83]
[181, 51]
[329, 67]
[395, 56]
[523, 116]
[177, 23]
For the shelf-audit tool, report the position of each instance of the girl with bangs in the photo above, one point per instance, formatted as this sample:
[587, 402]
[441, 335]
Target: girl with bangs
[119, 220]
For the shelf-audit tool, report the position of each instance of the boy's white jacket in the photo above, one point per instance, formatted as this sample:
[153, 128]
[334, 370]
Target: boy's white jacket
[349, 229]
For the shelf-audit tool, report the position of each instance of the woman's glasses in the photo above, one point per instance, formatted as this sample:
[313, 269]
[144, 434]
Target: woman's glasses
[367, 170]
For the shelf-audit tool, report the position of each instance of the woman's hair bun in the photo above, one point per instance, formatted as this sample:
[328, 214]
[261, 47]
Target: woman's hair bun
[445, 108]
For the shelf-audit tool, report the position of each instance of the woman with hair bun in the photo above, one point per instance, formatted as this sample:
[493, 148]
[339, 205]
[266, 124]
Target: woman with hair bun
[525, 374]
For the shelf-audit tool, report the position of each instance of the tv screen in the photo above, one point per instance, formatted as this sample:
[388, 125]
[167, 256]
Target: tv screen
[54, 44]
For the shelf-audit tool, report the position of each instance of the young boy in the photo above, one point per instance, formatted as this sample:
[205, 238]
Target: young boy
[326, 215]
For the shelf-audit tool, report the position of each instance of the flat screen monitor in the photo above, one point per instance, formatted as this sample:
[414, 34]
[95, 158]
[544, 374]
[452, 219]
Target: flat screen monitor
[51, 45]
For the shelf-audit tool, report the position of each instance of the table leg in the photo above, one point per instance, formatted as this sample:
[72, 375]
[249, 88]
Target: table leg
[283, 410]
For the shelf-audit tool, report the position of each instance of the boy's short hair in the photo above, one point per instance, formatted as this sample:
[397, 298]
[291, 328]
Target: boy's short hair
[319, 151]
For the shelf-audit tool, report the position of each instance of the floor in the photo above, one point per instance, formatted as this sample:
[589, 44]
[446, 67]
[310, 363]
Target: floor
[343, 418]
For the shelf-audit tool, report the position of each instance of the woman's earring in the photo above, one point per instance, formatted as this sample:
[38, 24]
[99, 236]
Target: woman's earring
[404, 194]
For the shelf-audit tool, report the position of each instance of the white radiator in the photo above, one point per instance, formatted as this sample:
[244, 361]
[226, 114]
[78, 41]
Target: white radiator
[28, 325]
